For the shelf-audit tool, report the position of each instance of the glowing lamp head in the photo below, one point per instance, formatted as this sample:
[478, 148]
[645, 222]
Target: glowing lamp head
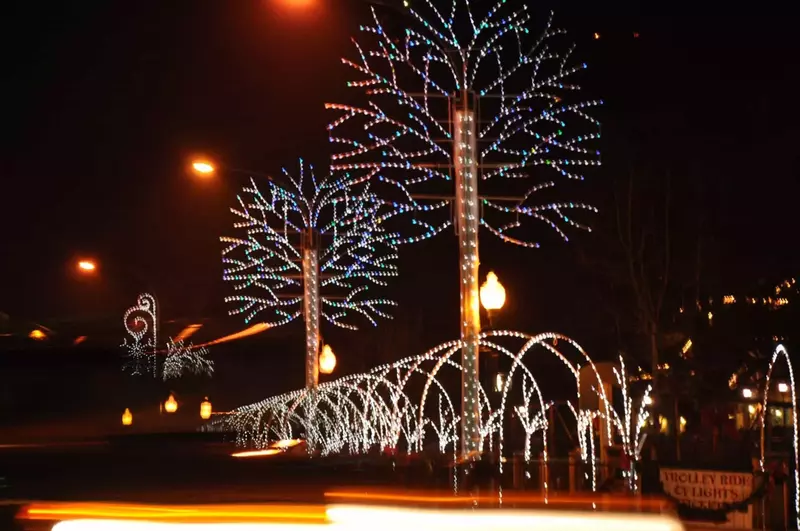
[327, 360]
[205, 409]
[127, 417]
[783, 387]
[493, 294]
[38, 335]
[86, 266]
[499, 382]
[747, 392]
[203, 168]
[171, 405]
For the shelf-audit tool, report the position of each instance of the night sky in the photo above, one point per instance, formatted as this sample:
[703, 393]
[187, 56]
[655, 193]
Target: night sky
[105, 101]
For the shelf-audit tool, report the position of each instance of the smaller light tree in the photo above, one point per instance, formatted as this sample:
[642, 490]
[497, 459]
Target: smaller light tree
[311, 247]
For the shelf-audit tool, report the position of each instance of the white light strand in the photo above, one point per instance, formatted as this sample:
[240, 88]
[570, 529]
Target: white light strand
[186, 359]
[354, 413]
[780, 351]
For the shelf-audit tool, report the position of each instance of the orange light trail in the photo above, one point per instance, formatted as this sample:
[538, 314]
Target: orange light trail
[175, 513]
[253, 330]
[187, 332]
[259, 453]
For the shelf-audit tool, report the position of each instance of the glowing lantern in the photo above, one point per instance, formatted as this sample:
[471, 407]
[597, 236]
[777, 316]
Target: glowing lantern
[171, 405]
[493, 294]
[205, 409]
[327, 360]
[127, 417]
[783, 387]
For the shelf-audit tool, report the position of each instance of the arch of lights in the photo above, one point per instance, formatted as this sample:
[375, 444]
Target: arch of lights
[407, 405]
[780, 351]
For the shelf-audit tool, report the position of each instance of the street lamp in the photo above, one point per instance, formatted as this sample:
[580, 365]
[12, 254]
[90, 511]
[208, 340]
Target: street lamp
[327, 360]
[203, 167]
[493, 294]
[86, 266]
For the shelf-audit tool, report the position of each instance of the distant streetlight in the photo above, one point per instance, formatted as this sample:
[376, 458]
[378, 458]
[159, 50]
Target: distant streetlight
[204, 168]
[493, 294]
[127, 417]
[171, 405]
[783, 387]
[37, 335]
[747, 392]
[327, 360]
[86, 266]
[205, 409]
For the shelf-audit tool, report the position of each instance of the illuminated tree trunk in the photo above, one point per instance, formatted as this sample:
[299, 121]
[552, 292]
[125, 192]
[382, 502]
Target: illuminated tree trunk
[467, 222]
[311, 308]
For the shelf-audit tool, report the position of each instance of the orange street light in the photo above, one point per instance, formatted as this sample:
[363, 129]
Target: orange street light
[87, 266]
[493, 294]
[203, 168]
[327, 360]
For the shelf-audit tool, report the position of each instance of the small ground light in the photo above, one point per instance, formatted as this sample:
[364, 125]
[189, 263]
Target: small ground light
[127, 417]
[205, 409]
[171, 405]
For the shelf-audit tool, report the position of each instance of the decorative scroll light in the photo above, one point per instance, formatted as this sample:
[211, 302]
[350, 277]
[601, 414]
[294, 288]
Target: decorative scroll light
[141, 323]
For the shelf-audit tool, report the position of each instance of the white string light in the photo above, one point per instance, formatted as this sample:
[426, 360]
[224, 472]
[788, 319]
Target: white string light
[780, 351]
[182, 359]
[354, 413]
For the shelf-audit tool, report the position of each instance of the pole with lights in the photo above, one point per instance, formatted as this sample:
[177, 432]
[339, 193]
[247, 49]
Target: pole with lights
[490, 108]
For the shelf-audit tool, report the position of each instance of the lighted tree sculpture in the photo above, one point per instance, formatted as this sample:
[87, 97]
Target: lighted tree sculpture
[472, 109]
[310, 248]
